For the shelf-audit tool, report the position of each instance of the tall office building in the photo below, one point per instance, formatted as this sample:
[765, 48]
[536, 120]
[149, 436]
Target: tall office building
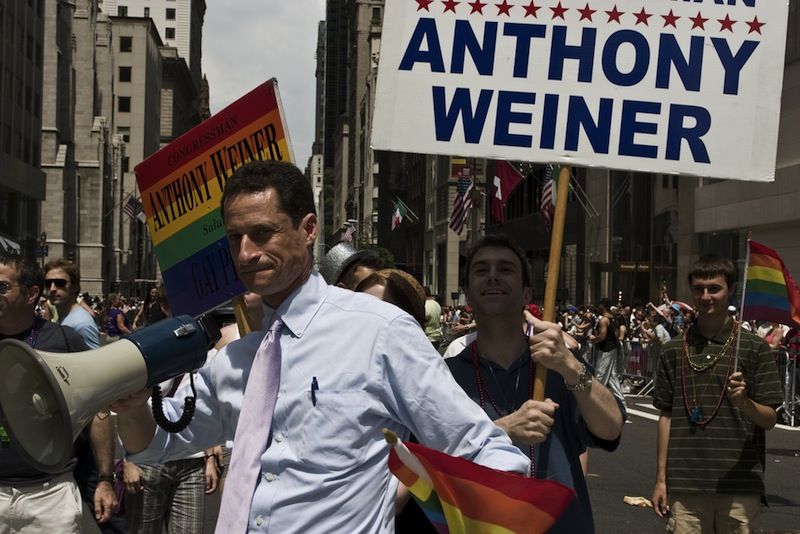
[179, 23]
[22, 183]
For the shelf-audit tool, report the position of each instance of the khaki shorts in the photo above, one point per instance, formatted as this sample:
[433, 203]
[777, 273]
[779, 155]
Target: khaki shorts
[718, 514]
[51, 507]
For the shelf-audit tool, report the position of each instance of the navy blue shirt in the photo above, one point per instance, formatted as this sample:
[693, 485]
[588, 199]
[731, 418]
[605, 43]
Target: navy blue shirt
[557, 458]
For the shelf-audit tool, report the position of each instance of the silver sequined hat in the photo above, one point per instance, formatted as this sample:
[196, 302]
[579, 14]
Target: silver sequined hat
[337, 260]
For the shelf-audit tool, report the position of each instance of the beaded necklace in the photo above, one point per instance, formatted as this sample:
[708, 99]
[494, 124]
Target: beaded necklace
[695, 413]
[33, 336]
[483, 394]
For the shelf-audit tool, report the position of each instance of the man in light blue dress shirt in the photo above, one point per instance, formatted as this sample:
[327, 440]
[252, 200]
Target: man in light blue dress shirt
[325, 467]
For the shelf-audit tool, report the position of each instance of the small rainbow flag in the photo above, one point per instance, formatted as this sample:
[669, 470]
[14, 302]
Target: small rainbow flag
[771, 293]
[461, 497]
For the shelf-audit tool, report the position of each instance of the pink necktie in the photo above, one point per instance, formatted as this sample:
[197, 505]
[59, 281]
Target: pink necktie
[252, 433]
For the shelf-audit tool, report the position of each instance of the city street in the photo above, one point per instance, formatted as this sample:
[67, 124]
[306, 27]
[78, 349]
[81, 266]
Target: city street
[630, 471]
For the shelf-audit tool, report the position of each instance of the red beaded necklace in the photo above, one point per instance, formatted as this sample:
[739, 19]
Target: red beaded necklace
[483, 394]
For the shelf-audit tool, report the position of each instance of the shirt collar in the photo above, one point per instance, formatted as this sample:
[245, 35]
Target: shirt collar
[297, 310]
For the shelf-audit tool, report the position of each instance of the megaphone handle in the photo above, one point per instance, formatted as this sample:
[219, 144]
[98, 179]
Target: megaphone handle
[186, 416]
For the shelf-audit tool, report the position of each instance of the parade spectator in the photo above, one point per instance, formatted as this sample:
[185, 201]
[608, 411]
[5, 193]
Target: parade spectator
[710, 444]
[606, 347]
[356, 366]
[396, 287]
[114, 321]
[433, 318]
[62, 280]
[30, 500]
[344, 266]
[497, 372]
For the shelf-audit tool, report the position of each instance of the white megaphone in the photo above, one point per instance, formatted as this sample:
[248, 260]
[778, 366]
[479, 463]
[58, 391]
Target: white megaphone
[47, 398]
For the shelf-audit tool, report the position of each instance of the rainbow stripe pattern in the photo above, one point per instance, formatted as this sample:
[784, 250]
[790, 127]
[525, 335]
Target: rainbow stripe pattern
[461, 497]
[181, 187]
[771, 293]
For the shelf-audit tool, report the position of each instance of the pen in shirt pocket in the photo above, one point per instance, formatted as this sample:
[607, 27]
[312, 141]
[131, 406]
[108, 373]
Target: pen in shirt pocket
[314, 388]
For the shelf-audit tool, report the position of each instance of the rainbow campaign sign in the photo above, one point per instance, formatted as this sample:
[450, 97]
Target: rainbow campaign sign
[182, 186]
[669, 86]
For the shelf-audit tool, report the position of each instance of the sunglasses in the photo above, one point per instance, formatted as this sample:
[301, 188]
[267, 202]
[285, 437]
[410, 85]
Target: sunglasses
[58, 282]
[5, 286]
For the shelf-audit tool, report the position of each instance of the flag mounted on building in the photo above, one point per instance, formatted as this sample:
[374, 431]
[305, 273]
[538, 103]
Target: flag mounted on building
[770, 292]
[133, 208]
[349, 232]
[402, 211]
[461, 497]
[461, 204]
[506, 179]
[547, 204]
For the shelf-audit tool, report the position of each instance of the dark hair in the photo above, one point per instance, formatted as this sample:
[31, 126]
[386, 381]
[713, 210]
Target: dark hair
[711, 265]
[69, 267]
[400, 289]
[370, 259]
[295, 197]
[29, 272]
[499, 241]
[605, 304]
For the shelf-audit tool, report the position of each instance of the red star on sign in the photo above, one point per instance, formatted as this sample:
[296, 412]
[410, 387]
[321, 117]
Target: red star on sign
[477, 7]
[531, 9]
[755, 26]
[558, 11]
[669, 19]
[641, 17]
[614, 15]
[726, 24]
[503, 9]
[423, 4]
[698, 21]
[587, 13]
[450, 5]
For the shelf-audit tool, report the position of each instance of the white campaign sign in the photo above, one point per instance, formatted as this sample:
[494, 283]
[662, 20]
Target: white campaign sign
[668, 86]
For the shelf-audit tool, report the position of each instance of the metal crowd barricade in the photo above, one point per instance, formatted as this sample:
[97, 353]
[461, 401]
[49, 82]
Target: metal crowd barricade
[787, 370]
[640, 367]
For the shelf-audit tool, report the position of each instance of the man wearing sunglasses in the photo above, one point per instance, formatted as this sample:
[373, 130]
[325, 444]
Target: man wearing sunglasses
[62, 284]
[31, 499]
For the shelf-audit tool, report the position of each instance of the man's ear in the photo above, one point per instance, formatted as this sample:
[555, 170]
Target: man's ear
[527, 294]
[33, 294]
[309, 224]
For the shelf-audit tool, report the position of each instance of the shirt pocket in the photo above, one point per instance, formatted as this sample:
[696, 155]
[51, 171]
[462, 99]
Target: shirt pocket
[333, 434]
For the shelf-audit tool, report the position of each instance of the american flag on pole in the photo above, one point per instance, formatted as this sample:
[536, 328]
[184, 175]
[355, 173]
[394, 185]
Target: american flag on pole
[133, 208]
[461, 204]
[547, 205]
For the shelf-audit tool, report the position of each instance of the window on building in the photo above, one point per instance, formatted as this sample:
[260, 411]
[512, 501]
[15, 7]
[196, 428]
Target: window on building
[126, 162]
[125, 44]
[124, 104]
[125, 133]
[376, 13]
[170, 13]
[147, 12]
[169, 33]
[125, 74]
[122, 11]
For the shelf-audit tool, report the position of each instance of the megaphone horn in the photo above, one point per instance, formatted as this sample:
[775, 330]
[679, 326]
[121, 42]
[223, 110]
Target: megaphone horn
[47, 398]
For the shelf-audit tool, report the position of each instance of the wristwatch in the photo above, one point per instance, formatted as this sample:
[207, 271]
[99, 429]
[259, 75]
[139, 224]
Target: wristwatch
[107, 477]
[584, 380]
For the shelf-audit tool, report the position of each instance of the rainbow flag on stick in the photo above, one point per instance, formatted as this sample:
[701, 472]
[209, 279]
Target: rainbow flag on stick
[770, 292]
[461, 497]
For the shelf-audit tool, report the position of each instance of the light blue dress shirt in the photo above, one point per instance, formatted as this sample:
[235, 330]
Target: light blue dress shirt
[326, 467]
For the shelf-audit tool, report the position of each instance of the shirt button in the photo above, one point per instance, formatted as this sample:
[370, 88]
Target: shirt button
[279, 437]
[259, 521]
[269, 477]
